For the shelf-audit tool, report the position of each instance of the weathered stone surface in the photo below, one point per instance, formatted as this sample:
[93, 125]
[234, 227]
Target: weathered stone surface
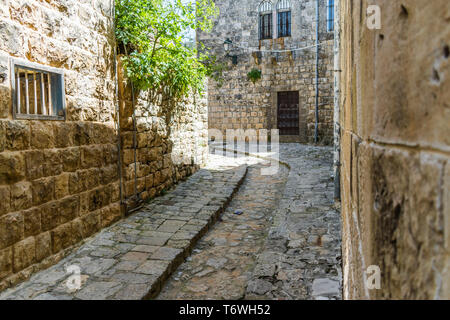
[32, 222]
[24, 254]
[43, 246]
[17, 135]
[6, 262]
[5, 195]
[394, 151]
[12, 167]
[325, 287]
[41, 135]
[43, 190]
[11, 229]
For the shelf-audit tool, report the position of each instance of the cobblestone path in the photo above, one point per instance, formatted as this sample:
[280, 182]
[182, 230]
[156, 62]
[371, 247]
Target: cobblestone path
[222, 262]
[286, 245]
[302, 255]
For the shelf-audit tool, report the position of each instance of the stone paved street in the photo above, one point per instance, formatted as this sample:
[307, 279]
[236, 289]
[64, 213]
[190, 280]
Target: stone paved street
[284, 245]
[223, 261]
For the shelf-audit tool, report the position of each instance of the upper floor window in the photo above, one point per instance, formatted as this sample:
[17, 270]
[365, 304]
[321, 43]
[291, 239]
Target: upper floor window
[330, 15]
[284, 18]
[38, 91]
[265, 20]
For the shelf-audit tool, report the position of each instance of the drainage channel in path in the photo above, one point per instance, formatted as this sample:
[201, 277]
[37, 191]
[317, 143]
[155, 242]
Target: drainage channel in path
[222, 262]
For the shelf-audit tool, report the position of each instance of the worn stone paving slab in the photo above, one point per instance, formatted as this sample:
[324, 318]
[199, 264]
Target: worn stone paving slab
[302, 254]
[132, 258]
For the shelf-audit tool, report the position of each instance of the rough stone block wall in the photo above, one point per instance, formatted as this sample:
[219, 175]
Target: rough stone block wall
[165, 153]
[59, 180]
[396, 149]
[237, 103]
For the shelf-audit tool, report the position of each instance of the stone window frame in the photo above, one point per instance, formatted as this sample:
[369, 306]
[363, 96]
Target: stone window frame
[57, 89]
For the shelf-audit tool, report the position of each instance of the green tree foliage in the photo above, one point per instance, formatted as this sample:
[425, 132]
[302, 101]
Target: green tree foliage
[157, 58]
[254, 75]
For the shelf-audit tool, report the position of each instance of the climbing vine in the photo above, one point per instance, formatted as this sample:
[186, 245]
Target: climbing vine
[157, 58]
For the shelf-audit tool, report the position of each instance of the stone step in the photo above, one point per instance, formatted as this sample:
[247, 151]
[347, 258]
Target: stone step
[133, 258]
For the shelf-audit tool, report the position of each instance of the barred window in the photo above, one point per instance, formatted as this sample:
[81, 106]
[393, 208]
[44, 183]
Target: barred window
[330, 15]
[284, 18]
[265, 20]
[38, 91]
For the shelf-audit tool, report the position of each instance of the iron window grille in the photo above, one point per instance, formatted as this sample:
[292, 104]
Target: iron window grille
[38, 91]
[265, 20]
[330, 16]
[284, 24]
[284, 18]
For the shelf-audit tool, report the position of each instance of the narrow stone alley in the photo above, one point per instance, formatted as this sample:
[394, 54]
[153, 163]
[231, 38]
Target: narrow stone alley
[223, 261]
[284, 244]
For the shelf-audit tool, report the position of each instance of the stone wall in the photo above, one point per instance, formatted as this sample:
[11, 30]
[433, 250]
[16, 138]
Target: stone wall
[395, 175]
[237, 103]
[59, 180]
[165, 154]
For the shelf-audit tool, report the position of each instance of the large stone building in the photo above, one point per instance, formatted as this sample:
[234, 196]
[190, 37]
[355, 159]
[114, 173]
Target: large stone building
[395, 151]
[63, 173]
[277, 38]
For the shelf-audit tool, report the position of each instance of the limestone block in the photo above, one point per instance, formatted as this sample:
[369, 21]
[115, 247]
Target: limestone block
[5, 100]
[91, 223]
[88, 179]
[110, 154]
[63, 133]
[52, 165]
[41, 135]
[43, 243]
[99, 198]
[43, 190]
[74, 183]
[77, 230]
[91, 156]
[61, 237]
[21, 196]
[110, 214]
[17, 134]
[68, 209]
[34, 164]
[109, 174]
[24, 253]
[62, 185]
[5, 202]
[11, 229]
[70, 158]
[6, 263]
[32, 222]
[12, 38]
[50, 216]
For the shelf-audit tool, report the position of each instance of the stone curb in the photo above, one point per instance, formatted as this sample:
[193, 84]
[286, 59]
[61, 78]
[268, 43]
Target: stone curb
[157, 285]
